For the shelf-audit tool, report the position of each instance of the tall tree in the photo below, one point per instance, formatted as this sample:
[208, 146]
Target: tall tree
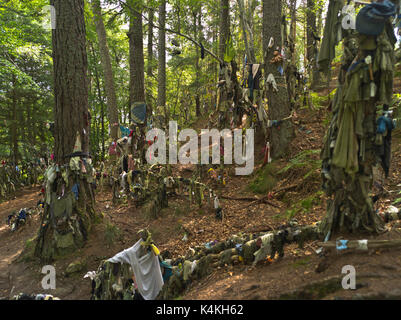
[247, 32]
[197, 14]
[161, 76]
[14, 123]
[311, 40]
[293, 30]
[149, 71]
[137, 67]
[279, 107]
[69, 197]
[224, 26]
[107, 70]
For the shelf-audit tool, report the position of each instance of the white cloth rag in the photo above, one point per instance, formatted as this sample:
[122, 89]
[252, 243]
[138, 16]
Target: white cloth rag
[146, 269]
[272, 81]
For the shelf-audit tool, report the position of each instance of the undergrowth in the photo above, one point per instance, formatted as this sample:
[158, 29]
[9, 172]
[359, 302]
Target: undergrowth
[111, 234]
[264, 180]
[305, 159]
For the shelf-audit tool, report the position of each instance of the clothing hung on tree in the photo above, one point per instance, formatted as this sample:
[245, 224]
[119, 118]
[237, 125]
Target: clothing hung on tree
[125, 132]
[331, 35]
[254, 76]
[385, 126]
[146, 269]
[138, 112]
[125, 164]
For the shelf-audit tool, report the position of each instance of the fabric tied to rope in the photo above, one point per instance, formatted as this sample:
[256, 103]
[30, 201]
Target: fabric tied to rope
[341, 245]
[363, 245]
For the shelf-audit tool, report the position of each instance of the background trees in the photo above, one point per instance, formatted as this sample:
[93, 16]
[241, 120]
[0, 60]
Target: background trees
[127, 37]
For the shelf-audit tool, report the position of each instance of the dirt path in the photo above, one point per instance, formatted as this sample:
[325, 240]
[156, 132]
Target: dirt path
[12, 243]
[379, 271]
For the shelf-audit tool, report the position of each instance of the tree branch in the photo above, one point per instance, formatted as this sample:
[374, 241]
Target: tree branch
[172, 31]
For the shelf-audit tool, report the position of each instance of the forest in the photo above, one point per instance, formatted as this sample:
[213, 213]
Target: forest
[200, 150]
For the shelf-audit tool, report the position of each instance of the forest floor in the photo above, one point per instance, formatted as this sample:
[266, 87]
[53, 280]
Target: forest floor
[294, 193]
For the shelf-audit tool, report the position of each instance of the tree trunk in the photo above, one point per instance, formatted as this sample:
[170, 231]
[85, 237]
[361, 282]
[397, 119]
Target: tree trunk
[244, 32]
[101, 101]
[291, 67]
[293, 30]
[14, 123]
[137, 67]
[279, 107]
[107, 69]
[224, 26]
[68, 214]
[352, 143]
[310, 30]
[249, 48]
[150, 59]
[311, 33]
[197, 26]
[161, 89]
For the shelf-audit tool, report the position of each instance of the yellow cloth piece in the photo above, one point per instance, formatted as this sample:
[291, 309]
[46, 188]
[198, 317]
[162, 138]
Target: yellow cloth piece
[129, 178]
[155, 249]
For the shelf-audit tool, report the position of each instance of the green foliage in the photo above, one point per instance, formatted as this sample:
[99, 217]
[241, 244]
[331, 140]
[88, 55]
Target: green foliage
[318, 101]
[301, 262]
[264, 180]
[98, 218]
[304, 159]
[25, 79]
[178, 211]
[397, 201]
[303, 206]
[111, 234]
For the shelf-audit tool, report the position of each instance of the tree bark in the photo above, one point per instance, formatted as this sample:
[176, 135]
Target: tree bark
[150, 58]
[197, 27]
[310, 30]
[64, 229]
[161, 89]
[249, 48]
[107, 69]
[279, 107]
[293, 30]
[137, 67]
[311, 33]
[224, 26]
[14, 124]
[101, 101]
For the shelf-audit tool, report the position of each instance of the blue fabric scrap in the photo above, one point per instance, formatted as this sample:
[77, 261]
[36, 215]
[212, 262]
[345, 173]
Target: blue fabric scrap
[75, 189]
[22, 215]
[341, 244]
[125, 132]
[384, 123]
